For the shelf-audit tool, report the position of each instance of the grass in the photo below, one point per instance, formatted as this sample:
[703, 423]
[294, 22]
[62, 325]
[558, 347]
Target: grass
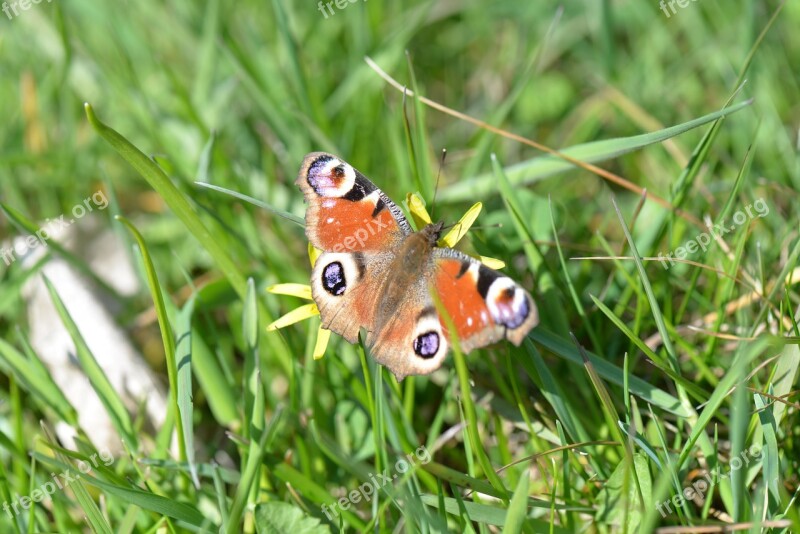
[645, 378]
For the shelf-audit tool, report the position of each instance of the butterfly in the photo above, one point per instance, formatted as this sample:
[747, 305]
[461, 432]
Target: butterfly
[376, 272]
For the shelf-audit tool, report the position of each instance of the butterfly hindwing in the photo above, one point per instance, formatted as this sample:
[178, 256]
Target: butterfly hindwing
[482, 304]
[345, 287]
[408, 338]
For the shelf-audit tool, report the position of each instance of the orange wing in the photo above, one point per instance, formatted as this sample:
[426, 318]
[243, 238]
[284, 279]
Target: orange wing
[346, 212]
[485, 306]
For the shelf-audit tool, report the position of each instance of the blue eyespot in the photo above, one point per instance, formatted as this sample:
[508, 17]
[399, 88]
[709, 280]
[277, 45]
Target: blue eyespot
[333, 278]
[427, 345]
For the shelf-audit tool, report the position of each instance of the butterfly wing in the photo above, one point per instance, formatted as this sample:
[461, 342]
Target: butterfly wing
[346, 287]
[483, 305]
[359, 229]
[408, 338]
[347, 212]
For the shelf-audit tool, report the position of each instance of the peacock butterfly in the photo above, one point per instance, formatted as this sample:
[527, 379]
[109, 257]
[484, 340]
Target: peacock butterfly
[376, 272]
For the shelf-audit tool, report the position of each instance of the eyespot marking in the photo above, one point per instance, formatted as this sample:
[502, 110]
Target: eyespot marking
[507, 303]
[333, 279]
[427, 345]
[330, 177]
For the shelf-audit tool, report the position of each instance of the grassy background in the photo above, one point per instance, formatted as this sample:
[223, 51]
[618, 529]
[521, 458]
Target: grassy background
[235, 94]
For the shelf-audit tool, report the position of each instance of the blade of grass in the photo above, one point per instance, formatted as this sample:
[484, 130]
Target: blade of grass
[570, 286]
[255, 202]
[209, 238]
[657, 360]
[93, 515]
[37, 382]
[184, 358]
[546, 280]
[167, 339]
[97, 378]
[612, 373]
[771, 452]
[517, 508]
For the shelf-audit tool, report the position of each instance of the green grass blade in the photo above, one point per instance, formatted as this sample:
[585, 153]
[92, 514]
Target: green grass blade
[97, 378]
[517, 508]
[211, 239]
[183, 360]
[541, 167]
[770, 452]
[167, 338]
[36, 381]
[255, 202]
[173, 197]
[612, 373]
[657, 360]
[93, 515]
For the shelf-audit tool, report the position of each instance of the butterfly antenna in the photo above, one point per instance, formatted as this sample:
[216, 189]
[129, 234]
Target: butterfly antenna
[438, 175]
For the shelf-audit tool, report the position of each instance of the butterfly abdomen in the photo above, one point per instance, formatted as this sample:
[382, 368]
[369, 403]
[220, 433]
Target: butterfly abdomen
[403, 276]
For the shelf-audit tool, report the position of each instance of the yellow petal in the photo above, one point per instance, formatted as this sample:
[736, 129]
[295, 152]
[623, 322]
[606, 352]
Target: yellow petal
[313, 254]
[322, 343]
[418, 212]
[302, 291]
[492, 263]
[462, 227]
[294, 316]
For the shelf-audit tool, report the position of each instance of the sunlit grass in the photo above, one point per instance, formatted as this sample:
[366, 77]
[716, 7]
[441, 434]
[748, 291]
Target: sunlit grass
[640, 379]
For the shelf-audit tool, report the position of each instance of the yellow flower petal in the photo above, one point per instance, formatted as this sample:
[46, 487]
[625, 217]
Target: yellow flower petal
[462, 227]
[302, 291]
[492, 263]
[418, 212]
[313, 254]
[294, 316]
[322, 343]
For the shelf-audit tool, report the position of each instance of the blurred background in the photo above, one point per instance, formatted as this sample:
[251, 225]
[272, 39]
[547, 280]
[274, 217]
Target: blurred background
[234, 95]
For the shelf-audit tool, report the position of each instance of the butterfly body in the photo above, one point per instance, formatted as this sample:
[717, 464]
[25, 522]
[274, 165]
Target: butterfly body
[408, 272]
[377, 273]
